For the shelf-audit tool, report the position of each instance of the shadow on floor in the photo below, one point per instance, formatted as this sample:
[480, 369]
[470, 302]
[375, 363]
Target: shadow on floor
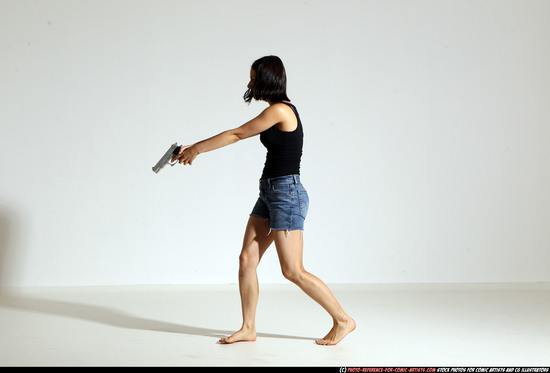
[113, 317]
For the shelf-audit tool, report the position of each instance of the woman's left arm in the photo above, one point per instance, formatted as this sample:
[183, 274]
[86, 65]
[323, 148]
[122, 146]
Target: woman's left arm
[267, 118]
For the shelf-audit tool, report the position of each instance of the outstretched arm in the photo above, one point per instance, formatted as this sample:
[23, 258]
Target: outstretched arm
[267, 118]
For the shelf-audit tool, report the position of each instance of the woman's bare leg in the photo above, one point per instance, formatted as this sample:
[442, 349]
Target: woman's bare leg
[290, 248]
[256, 241]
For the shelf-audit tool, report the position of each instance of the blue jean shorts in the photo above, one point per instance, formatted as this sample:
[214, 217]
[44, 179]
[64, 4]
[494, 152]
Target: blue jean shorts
[283, 201]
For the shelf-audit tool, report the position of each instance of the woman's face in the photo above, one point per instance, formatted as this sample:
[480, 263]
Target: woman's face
[252, 79]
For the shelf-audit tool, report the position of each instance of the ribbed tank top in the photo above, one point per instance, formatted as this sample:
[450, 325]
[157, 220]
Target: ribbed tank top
[284, 149]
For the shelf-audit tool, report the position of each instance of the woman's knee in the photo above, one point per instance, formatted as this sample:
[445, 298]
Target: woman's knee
[295, 275]
[248, 261]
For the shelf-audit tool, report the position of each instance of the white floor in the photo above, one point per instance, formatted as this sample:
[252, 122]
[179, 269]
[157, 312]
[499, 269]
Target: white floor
[397, 325]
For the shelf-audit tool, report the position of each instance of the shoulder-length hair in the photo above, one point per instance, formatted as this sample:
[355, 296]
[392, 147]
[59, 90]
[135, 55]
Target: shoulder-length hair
[270, 82]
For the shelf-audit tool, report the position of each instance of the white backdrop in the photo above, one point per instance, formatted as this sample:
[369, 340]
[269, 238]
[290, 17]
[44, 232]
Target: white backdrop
[426, 153]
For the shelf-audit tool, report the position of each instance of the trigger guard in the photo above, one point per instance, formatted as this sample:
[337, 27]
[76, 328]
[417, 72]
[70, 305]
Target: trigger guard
[175, 152]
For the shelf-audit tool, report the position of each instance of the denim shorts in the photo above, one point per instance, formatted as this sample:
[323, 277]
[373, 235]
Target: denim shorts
[283, 201]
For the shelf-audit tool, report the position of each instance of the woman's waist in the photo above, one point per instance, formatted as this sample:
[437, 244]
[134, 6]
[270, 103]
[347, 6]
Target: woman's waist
[286, 179]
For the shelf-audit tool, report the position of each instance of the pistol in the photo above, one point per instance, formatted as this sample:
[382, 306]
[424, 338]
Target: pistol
[174, 150]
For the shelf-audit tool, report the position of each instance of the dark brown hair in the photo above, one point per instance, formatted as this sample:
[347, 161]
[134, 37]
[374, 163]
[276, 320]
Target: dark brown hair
[270, 82]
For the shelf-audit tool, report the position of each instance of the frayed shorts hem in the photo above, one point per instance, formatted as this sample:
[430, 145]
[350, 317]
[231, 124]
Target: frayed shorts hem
[277, 229]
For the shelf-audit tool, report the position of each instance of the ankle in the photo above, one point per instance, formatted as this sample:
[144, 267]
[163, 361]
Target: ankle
[342, 319]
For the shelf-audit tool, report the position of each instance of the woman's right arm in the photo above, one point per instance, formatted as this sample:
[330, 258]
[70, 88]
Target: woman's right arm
[267, 118]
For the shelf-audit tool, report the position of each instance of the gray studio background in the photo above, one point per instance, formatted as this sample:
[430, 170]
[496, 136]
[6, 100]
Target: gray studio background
[426, 153]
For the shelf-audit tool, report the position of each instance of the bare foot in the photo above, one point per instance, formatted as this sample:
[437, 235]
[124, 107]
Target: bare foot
[337, 333]
[243, 335]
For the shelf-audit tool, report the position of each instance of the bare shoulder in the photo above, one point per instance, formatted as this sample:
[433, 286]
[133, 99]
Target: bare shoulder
[276, 107]
[284, 117]
[280, 109]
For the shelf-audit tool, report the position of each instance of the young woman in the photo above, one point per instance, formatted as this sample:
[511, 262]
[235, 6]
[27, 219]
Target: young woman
[279, 213]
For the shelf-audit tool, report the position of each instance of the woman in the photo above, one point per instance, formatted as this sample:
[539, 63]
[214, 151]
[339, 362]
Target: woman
[279, 213]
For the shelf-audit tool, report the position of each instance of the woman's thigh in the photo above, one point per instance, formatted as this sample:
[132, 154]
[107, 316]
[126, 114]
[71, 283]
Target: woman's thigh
[290, 246]
[257, 238]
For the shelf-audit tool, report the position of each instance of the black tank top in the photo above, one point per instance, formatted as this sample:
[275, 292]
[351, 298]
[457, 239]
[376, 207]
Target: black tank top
[284, 149]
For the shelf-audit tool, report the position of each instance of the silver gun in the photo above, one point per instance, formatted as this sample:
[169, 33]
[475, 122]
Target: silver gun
[174, 150]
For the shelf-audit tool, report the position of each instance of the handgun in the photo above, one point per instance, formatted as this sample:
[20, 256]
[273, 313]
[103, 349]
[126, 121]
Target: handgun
[174, 150]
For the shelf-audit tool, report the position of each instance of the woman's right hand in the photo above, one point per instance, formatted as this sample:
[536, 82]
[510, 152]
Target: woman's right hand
[186, 155]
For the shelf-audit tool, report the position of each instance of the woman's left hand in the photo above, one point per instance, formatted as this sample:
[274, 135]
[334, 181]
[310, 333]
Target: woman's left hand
[186, 155]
